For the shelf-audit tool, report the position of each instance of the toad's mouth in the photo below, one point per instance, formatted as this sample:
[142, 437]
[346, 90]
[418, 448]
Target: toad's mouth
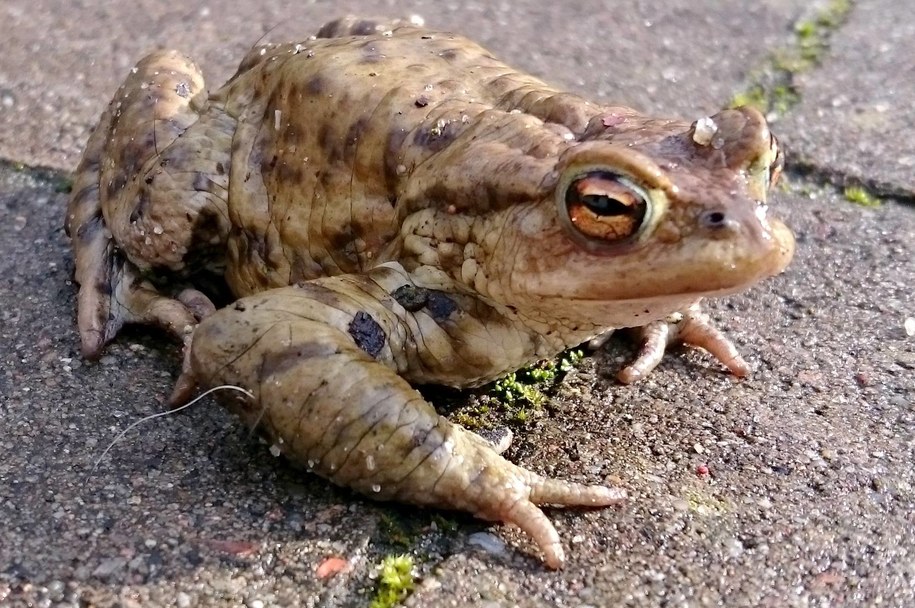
[689, 271]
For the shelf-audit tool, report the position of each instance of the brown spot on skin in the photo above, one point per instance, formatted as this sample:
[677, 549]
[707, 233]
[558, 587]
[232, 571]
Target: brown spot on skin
[367, 333]
[364, 27]
[449, 54]
[292, 135]
[115, 186]
[281, 361]
[440, 306]
[103, 287]
[252, 246]
[422, 101]
[88, 230]
[329, 29]
[267, 166]
[435, 138]
[330, 143]
[355, 133]
[316, 85]
[141, 207]
[342, 243]
[412, 298]
[220, 169]
[437, 303]
[205, 228]
[289, 173]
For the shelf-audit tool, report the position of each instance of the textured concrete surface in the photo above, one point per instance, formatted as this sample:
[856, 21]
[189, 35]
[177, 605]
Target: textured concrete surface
[682, 57]
[856, 118]
[811, 491]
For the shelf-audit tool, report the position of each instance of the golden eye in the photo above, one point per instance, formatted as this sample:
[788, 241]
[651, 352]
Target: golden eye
[605, 206]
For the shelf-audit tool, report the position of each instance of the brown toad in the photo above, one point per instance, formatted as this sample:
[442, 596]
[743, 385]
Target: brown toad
[393, 205]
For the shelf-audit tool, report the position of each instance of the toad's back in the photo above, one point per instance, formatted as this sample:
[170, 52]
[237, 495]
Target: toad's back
[331, 132]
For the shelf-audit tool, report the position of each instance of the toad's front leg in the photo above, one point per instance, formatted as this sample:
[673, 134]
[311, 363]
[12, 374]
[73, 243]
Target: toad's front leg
[319, 362]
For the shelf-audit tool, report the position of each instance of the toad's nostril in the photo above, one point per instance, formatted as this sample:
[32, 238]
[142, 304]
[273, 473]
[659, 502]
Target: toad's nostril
[716, 220]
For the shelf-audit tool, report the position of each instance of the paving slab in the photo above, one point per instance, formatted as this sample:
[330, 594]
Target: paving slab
[856, 117]
[810, 491]
[62, 60]
[809, 499]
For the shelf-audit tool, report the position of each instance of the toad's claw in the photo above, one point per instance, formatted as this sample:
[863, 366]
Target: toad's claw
[554, 492]
[693, 328]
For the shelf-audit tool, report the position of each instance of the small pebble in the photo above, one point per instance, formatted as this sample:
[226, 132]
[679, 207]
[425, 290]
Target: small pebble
[487, 542]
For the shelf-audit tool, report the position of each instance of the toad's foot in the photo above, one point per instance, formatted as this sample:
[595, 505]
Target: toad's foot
[326, 395]
[693, 328]
[121, 217]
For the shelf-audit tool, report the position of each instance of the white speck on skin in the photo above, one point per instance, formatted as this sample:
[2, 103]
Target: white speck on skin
[376, 488]
[370, 462]
[705, 131]
[909, 326]
[275, 450]
[277, 117]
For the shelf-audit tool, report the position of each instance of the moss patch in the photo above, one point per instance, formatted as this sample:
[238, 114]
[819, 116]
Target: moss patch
[772, 88]
[519, 397]
[861, 196]
[395, 581]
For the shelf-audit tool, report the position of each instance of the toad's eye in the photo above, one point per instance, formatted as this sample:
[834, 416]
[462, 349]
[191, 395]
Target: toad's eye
[605, 206]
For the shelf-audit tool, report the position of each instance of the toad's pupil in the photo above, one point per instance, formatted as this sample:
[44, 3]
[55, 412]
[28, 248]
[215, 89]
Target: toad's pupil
[601, 204]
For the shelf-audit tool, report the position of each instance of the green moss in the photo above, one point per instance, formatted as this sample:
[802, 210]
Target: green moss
[63, 185]
[772, 88]
[445, 524]
[517, 398]
[527, 385]
[395, 581]
[861, 196]
[511, 390]
[394, 532]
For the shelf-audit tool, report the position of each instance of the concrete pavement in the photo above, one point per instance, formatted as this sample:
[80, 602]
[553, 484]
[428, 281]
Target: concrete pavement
[811, 492]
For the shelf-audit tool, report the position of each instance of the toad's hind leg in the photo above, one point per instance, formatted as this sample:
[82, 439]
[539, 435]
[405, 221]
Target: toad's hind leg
[139, 200]
[326, 403]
